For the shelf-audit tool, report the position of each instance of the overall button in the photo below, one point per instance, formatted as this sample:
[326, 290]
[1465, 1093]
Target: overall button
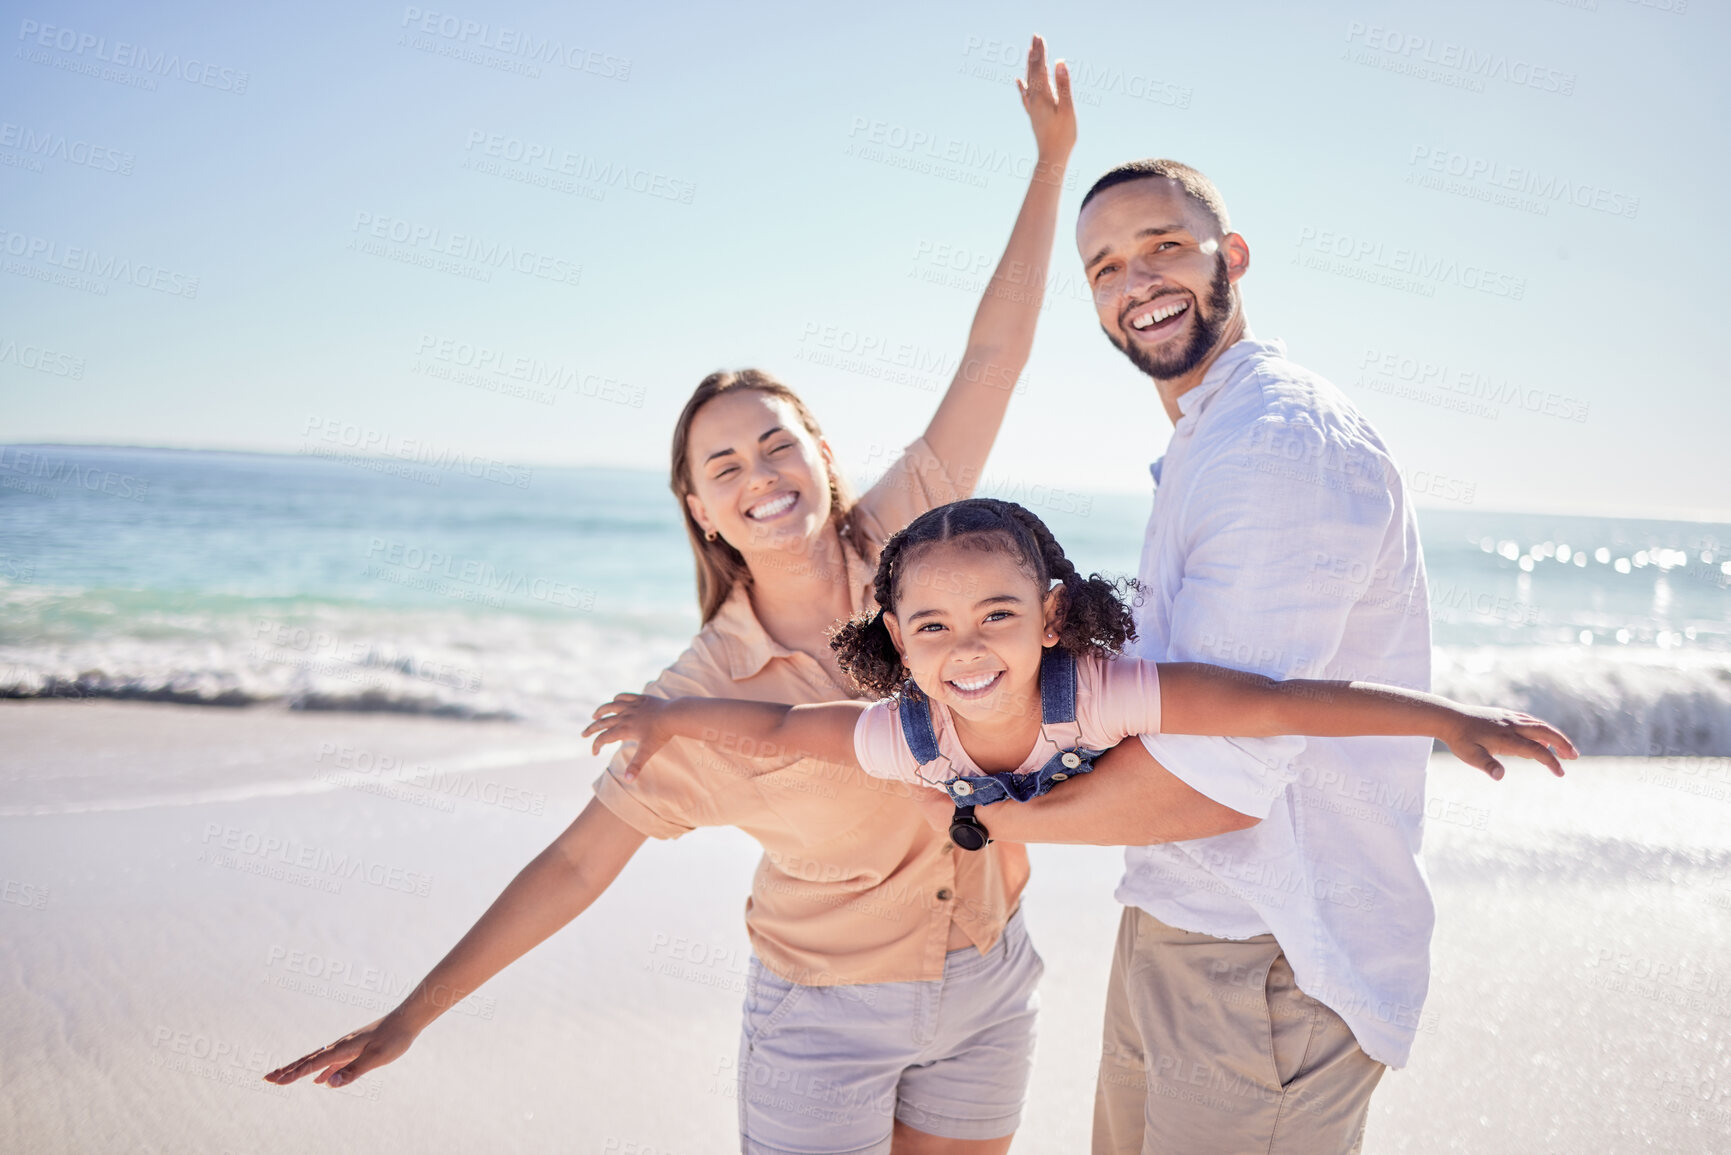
[1059, 776]
[1071, 759]
[962, 788]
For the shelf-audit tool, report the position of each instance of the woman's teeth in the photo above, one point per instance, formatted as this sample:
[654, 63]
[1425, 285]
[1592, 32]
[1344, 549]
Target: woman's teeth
[1155, 316]
[772, 507]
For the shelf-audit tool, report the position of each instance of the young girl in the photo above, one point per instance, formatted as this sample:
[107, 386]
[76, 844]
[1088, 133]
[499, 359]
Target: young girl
[997, 669]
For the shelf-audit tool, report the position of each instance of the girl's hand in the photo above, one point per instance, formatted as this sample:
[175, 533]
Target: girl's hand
[351, 1056]
[629, 718]
[1480, 732]
[1050, 110]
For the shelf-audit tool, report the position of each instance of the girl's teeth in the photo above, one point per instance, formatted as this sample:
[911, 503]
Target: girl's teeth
[974, 683]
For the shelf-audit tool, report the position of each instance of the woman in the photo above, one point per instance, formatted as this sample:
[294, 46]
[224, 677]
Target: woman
[890, 1001]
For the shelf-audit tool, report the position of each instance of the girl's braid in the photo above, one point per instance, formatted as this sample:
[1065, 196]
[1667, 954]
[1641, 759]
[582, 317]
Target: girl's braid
[1094, 618]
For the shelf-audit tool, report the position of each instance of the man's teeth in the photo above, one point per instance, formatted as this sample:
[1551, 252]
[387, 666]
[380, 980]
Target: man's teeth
[772, 507]
[1155, 316]
[972, 684]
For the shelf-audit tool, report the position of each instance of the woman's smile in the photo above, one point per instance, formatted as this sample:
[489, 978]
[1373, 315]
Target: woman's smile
[772, 507]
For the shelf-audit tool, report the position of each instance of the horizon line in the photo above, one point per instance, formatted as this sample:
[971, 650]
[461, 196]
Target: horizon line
[1693, 515]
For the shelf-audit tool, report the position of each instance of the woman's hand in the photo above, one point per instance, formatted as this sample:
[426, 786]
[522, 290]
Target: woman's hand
[351, 1056]
[1481, 732]
[629, 718]
[1050, 109]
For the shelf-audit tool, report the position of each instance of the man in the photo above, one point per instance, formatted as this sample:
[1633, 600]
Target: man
[1274, 949]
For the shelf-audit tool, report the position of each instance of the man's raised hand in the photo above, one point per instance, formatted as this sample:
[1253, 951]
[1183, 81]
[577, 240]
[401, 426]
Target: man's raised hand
[1050, 109]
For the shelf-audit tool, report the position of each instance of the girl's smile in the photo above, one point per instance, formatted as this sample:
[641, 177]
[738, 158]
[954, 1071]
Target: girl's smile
[972, 625]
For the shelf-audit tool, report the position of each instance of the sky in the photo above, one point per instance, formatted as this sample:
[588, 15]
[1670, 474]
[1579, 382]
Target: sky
[528, 230]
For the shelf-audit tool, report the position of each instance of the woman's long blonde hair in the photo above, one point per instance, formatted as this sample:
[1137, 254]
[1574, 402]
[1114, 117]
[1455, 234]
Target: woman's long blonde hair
[719, 566]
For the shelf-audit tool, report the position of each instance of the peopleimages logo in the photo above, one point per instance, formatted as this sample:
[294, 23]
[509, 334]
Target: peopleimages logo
[83, 262]
[123, 54]
[58, 146]
[479, 34]
[430, 242]
[1445, 61]
[1542, 187]
[344, 438]
[1408, 265]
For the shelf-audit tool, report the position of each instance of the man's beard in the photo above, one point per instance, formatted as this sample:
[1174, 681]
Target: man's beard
[1205, 329]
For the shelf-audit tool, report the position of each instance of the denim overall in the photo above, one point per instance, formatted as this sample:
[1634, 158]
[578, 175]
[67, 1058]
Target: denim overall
[1057, 723]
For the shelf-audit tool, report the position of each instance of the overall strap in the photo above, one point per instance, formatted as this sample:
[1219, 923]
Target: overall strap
[1058, 699]
[916, 715]
[1057, 686]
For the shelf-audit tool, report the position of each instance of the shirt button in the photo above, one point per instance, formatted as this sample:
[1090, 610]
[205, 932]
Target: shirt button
[962, 788]
[1071, 759]
[944, 894]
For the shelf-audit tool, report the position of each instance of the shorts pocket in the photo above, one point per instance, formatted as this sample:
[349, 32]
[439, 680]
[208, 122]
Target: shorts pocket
[769, 999]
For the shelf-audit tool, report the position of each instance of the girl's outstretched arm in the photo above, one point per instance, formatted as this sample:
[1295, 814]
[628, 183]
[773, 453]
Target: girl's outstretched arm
[823, 730]
[1201, 699]
[966, 423]
[552, 890]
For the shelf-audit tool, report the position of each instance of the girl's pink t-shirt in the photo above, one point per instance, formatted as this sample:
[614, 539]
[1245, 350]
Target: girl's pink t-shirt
[1114, 699]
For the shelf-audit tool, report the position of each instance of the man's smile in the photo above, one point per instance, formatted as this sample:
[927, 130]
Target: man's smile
[1160, 318]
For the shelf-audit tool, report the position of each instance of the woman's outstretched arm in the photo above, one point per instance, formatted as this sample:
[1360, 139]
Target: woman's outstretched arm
[967, 421]
[557, 886]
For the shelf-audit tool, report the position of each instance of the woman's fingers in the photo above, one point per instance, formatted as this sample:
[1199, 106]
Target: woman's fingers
[338, 1052]
[1062, 72]
[363, 1063]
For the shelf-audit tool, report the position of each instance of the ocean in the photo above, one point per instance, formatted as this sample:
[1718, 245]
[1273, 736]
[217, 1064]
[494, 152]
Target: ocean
[367, 584]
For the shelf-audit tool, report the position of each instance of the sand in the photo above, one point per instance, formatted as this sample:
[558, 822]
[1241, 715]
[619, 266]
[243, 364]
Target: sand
[159, 949]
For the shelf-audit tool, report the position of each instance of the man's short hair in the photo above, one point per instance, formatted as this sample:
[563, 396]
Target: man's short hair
[1197, 187]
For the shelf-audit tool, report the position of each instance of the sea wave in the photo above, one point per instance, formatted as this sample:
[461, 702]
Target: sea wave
[1644, 702]
[497, 666]
[1634, 701]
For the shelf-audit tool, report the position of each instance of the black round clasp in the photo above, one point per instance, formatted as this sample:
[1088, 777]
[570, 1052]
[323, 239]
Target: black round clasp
[966, 831]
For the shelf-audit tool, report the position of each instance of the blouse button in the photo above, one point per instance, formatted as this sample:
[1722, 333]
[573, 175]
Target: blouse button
[944, 894]
[1071, 759]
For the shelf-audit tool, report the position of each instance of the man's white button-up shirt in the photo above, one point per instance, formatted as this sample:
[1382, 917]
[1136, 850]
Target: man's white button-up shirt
[1282, 542]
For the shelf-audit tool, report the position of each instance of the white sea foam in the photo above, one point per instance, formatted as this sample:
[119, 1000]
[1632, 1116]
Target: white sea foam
[1624, 701]
[1628, 701]
[498, 666]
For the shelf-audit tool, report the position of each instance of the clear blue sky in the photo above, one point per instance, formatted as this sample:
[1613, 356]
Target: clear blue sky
[759, 235]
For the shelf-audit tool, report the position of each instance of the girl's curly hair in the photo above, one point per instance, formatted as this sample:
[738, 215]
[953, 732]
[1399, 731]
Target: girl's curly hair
[1093, 615]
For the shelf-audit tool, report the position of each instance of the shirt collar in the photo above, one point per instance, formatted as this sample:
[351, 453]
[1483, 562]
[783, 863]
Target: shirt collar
[748, 646]
[1225, 368]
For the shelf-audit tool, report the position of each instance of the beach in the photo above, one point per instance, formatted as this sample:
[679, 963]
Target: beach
[196, 895]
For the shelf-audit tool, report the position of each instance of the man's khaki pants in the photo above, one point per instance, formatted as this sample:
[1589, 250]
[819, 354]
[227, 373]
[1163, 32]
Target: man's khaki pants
[1211, 1047]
